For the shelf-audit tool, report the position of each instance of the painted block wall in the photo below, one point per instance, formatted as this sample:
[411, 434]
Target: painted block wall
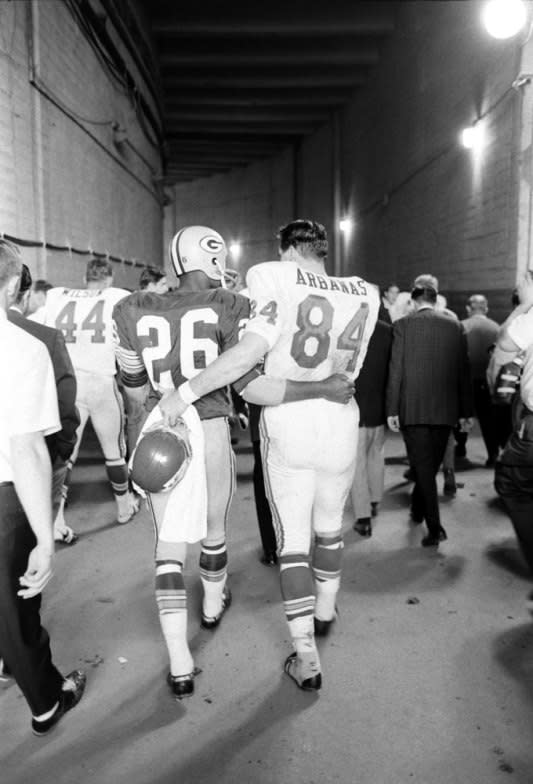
[421, 201]
[60, 184]
[247, 205]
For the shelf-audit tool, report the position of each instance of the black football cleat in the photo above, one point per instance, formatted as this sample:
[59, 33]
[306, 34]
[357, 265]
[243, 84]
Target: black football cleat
[68, 699]
[314, 683]
[182, 686]
[212, 623]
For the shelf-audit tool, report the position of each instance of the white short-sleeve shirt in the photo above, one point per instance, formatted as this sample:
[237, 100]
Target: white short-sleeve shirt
[521, 332]
[28, 394]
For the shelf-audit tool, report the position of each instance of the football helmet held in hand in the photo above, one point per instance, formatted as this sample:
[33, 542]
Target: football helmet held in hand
[161, 457]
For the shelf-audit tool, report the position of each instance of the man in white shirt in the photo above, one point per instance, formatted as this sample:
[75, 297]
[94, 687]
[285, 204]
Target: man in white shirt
[28, 412]
[514, 469]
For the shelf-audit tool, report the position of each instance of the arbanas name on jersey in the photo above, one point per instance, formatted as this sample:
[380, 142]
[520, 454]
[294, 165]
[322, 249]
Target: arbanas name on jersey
[84, 316]
[169, 338]
[315, 325]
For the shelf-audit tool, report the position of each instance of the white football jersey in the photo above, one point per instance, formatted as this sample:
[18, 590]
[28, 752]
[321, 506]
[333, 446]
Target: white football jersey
[84, 316]
[315, 325]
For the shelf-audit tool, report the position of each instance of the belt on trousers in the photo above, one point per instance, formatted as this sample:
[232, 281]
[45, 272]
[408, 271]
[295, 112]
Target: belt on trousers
[6, 484]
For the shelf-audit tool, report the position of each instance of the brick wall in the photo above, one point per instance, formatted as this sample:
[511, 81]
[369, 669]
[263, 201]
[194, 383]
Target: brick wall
[64, 180]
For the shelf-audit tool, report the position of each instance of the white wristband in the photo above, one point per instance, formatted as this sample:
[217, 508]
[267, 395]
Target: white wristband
[186, 393]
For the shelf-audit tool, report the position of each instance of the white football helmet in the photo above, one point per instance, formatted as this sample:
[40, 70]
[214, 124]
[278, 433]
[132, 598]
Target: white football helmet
[199, 248]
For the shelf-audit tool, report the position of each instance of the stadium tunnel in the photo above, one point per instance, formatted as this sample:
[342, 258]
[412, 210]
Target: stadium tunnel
[122, 121]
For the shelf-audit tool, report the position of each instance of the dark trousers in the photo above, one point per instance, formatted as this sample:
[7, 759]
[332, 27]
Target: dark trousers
[24, 644]
[425, 446]
[495, 422]
[515, 486]
[264, 515]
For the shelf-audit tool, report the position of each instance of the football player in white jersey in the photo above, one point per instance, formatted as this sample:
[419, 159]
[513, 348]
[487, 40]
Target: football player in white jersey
[165, 340]
[84, 316]
[309, 325]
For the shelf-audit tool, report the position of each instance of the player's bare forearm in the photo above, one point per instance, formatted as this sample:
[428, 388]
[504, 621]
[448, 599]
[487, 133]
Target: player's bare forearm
[336, 388]
[268, 391]
[32, 477]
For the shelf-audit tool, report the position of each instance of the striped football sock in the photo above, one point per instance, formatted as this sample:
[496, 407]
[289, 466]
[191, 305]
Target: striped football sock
[213, 574]
[327, 573]
[172, 605]
[299, 604]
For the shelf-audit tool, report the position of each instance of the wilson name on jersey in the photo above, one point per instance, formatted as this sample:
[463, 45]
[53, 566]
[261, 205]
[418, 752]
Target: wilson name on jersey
[314, 324]
[169, 338]
[84, 316]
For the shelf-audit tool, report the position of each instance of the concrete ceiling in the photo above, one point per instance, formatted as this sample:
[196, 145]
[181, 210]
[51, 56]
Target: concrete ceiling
[243, 80]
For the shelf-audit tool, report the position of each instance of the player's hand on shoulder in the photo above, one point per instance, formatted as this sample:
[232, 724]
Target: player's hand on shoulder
[338, 388]
[38, 572]
[172, 407]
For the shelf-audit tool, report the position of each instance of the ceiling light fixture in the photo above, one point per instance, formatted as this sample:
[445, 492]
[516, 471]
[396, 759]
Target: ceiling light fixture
[346, 226]
[504, 18]
[235, 249]
[473, 137]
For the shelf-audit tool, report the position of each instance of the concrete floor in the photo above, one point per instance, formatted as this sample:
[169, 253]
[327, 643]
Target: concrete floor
[428, 676]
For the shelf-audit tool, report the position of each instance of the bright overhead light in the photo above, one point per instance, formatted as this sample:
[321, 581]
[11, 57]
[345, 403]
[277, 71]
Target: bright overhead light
[473, 137]
[346, 225]
[235, 249]
[504, 18]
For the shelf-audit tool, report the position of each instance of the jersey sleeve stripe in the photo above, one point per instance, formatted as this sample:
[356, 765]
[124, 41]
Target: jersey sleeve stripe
[132, 370]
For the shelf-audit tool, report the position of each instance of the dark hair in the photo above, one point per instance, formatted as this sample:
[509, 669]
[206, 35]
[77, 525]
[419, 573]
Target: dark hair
[25, 283]
[98, 269]
[150, 275]
[42, 285]
[308, 237]
[425, 293]
[515, 299]
[426, 288]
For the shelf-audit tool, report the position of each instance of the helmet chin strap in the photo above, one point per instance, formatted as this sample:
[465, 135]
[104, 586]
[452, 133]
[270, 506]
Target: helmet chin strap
[221, 270]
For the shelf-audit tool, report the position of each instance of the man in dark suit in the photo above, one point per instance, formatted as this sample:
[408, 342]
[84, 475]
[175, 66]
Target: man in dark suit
[60, 445]
[428, 392]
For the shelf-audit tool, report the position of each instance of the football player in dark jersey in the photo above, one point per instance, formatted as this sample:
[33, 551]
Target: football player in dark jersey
[166, 340]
